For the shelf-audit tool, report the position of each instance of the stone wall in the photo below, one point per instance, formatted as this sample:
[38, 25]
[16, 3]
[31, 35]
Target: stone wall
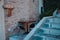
[2, 23]
[24, 10]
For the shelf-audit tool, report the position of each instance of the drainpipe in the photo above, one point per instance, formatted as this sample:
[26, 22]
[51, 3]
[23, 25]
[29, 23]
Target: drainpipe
[2, 23]
[41, 9]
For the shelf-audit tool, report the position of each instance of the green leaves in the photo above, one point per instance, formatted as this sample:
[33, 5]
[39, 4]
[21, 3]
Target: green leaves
[46, 13]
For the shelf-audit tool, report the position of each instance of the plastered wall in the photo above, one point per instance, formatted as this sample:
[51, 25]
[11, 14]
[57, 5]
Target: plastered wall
[2, 23]
[24, 10]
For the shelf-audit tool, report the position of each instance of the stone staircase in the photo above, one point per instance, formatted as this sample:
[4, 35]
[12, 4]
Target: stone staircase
[50, 30]
[47, 29]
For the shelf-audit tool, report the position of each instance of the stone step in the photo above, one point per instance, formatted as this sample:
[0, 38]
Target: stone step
[14, 37]
[50, 28]
[51, 25]
[53, 20]
[48, 35]
[36, 38]
[46, 26]
[45, 37]
[49, 31]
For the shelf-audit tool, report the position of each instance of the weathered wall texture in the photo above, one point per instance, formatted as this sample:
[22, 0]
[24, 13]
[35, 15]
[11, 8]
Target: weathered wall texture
[2, 23]
[23, 10]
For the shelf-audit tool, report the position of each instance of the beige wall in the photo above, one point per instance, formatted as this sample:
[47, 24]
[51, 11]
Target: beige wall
[2, 23]
[23, 10]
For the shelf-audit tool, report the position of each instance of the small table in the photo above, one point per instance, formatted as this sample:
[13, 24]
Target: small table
[26, 25]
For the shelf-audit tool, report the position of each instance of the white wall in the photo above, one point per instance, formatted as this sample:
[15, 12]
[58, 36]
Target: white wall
[24, 10]
[40, 5]
[2, 28]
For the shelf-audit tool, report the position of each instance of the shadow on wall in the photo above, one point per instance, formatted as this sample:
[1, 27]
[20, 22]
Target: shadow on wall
[47, 13]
